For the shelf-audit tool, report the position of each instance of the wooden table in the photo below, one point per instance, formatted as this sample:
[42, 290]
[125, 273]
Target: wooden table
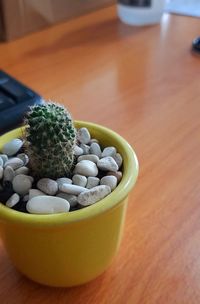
[144, 84]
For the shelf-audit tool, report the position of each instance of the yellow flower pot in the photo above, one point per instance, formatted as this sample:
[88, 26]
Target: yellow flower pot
[70, 248]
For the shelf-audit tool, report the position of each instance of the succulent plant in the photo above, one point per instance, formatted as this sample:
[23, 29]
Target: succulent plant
[50, 137]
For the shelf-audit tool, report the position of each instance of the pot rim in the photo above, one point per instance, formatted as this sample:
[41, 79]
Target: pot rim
[130, 174]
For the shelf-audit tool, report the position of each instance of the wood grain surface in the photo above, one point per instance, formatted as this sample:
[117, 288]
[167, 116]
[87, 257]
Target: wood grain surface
[144, 84]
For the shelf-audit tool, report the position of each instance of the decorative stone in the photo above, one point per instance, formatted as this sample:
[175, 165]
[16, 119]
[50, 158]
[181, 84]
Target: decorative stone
[107, 164]
[35, 192]
[9, 174]
[86, 168]
[79, 180]
[78, 150]
[24, 158]
[93, 140]
[109, 151]
[13, 200]
[72, 189]
[47, 185]
[47, 205]
[95, 176]
[25, 198]
[92, 157]
[21, 184]
[83, 135]
[92, 182]
[1, 172]
[93, 195]
[110, 181]
[63, 180]
[14, 162]
[31, 178]
[95, 149]
[22, 170]
[117, 174]
[85, 148]
[12, 147]
[118, 158]
[72, 199]
[4, 157]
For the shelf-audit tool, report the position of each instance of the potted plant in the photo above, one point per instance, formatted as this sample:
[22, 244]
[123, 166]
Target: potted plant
[70, 248]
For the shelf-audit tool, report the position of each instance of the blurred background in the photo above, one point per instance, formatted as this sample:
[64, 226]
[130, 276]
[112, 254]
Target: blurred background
[19, 17]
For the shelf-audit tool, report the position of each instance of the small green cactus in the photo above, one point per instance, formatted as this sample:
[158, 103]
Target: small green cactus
[50, 137]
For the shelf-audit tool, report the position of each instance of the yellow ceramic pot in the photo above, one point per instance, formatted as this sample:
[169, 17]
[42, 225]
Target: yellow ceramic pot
[72, 248]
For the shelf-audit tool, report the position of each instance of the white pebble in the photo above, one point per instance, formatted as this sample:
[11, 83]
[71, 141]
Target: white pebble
[85, 148]
[14, 162]
[78, 150]
[93, 140]
[47, 185]
[79, 180]
[35, 192]
[92, 157]
[47, 205]
[72, 189]
[107, 164]
[4, 157]
[110, 181]
[93, 195]
[92, 182]
[13, 200]
[95, 149]
[22, 170]
[21, 184]
[72, 199]
[117, 174]
[12, 147]
[1, 172]
[24, 158]
[9, 174]
[86, 168]
[118, 158]
[83, 135]
[109, 151]
[31, 178]
[1, 162]
[63, 180]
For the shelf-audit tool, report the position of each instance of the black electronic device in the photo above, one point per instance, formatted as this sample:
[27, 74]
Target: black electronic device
[15, 100]
[196, 45]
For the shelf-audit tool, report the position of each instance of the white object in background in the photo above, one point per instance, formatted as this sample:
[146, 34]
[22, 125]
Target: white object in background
[140, 12]
[184, 7]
